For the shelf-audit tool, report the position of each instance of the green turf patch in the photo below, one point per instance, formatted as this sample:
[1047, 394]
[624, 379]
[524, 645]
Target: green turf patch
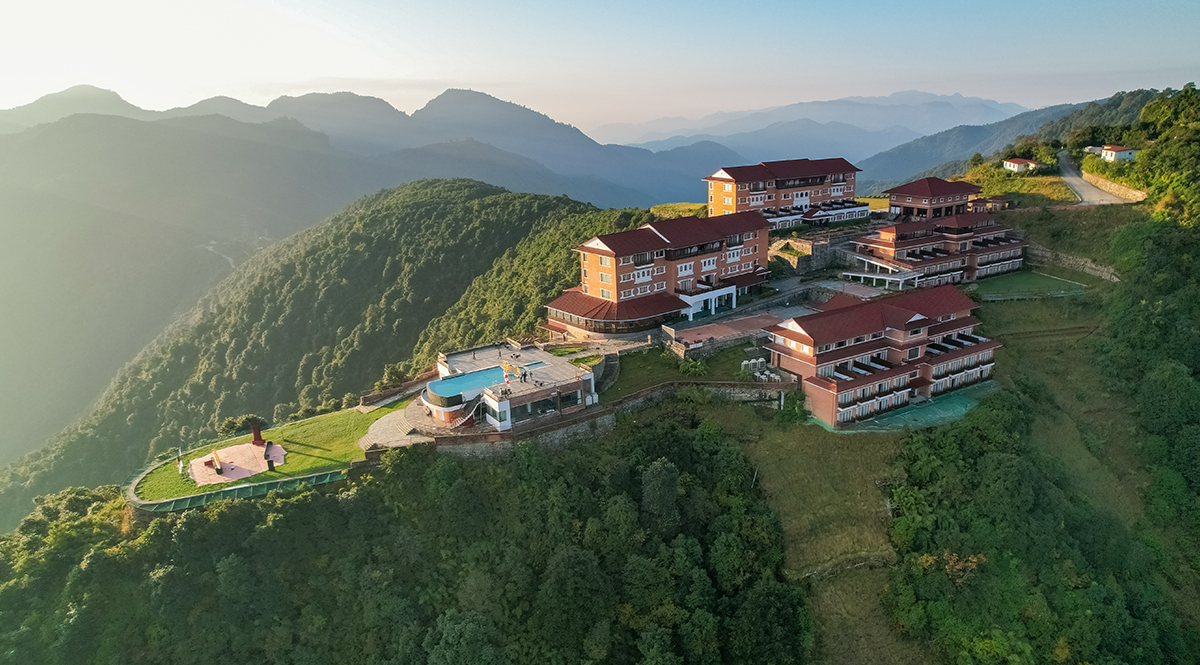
[323, 443]
[1028, 284]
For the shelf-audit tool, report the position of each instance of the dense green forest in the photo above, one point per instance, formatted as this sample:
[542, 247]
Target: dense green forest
[650, 545]
[1001, 563]
[294, 329]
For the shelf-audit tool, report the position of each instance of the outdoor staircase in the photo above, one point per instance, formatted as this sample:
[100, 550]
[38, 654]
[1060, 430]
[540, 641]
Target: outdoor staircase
[468, 411]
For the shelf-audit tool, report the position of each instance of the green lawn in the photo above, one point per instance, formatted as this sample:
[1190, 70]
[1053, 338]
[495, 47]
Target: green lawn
[673, 210]
[876, 203]
[1026, 281]
[565, 350]
[1082, 230]
[650, 367]
[323, 443]
[586, 362]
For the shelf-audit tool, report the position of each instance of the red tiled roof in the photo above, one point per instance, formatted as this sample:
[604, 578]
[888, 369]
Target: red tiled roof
[688, 231]
[838, 301]
[899, 312]
[625, 243]
[930, 187]
[600, 309]
[1020, 160]
[753, 172]
[678, 233]
[787, 169]
[747, 279]
[807, 168]
[908, 227]
[967, 220]
[1116, 148]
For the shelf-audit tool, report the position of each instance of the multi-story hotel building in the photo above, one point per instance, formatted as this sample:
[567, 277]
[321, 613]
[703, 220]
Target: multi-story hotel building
[857, 359]
[636, 280]
[787, 192]
[952, 238]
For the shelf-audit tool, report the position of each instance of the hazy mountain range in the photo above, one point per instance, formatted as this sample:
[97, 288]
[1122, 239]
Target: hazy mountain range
[919, 112]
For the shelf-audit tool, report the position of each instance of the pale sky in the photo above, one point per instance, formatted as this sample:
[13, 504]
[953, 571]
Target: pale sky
[592, 63]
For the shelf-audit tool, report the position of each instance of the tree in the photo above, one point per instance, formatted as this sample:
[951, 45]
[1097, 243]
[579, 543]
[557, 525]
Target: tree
[463, 638]
[660, 509]
[574, 594]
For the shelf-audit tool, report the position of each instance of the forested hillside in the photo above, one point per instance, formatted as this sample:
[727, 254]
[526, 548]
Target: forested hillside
[1010, 553]
[295, 328]
[508, 299]
[650, 546]
[905, 161]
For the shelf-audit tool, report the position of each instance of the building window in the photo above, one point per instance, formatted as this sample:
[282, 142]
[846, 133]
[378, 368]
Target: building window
[745, 266]
[659, 253]
[827, 370]
[742, 199]
[626, 260]
[686, 268]
[824, 348]
[728, 200]
[606, 294]
[627, 277]
[658, 270]
[876, 335]
[627, 293]
[605, 261]
[860, 339]
[643, 289]
[914, 332]
[914, 353]
[585, 273]
[585, 288]
[660, 286]
[605, 278]
[728, 187]
[708, 264]
[685, 285]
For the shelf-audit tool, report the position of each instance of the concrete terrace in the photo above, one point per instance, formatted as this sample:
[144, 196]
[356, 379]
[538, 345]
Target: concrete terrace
[544, 368]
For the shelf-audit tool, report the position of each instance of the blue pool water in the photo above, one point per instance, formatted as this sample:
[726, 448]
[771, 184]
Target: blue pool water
[535, 365]
[471, 381]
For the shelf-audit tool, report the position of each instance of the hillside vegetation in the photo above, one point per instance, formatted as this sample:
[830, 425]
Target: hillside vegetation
[509, 298]
[294, 329]
[650, 545]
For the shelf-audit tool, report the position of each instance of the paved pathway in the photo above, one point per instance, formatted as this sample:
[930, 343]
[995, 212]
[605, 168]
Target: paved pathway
[1088, 193]
[392, 431]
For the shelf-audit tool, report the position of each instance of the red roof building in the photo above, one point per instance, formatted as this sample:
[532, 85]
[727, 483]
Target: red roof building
[857, 360]
[673, 268]
[784, 191]
[1117, 153]
[931, 251]
[931, 197]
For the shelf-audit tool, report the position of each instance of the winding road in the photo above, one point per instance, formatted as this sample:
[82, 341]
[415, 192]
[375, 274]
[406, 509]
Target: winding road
[1088, 193]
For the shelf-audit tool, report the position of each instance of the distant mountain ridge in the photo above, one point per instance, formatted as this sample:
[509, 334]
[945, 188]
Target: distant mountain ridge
[927, 152]
[799, 139]
[921, 112]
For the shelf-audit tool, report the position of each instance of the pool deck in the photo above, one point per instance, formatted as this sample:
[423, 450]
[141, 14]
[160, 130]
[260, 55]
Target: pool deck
[555, 371]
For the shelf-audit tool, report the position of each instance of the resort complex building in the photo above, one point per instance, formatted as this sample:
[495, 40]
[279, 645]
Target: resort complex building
[504, 387]
[686, 267]
[788, 192]
[951, 238]
[857, 359]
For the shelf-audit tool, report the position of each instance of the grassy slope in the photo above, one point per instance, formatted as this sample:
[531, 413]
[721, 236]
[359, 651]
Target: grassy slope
[1090, 429]
[1083, 230]
[313, 445]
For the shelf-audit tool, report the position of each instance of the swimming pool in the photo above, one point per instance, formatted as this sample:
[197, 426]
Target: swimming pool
[469, 382]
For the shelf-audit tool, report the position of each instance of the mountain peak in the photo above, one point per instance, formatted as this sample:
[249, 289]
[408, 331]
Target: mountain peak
[76, 99]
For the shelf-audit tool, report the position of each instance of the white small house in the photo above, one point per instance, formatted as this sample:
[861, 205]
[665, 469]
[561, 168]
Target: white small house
[1093, 150]
[1117, 153]
[1019, 165]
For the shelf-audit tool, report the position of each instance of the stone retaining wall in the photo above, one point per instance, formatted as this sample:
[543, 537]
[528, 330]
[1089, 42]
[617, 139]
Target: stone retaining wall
[1041, 255]
[594, 422]
[1116, 189]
